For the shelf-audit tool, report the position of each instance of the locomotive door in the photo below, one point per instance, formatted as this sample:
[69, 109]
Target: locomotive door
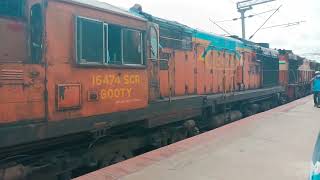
[153, 62]
[21, 78]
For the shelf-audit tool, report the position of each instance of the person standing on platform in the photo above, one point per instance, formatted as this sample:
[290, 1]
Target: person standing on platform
[316, 88]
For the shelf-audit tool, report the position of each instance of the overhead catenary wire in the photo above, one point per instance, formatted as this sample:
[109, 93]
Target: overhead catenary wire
[265, 22]
[220, 27]
[250, 16]
[285, 25]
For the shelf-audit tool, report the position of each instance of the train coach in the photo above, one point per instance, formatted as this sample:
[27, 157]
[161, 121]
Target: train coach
[84, 84]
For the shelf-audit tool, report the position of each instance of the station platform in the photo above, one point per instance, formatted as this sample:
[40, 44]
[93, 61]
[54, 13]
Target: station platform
[275, 144]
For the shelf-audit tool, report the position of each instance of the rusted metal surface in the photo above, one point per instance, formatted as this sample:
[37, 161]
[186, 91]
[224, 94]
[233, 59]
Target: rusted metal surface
[118, 89]
[21, 89]
[295, 74]
[197, 69]
[13, 46]
[86, 68]
[153, 62]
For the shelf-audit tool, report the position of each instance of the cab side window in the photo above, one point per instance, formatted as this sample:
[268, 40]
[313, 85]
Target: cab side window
[90, 41]
[114, 45]
[132, 46]
[101, 43]
[11, 8]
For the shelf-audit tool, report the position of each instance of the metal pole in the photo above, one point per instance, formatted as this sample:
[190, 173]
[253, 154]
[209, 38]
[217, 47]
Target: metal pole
[243, 23]
[245, 5]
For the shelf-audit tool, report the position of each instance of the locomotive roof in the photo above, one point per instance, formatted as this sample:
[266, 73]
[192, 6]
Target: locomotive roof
[294, 56]
[105, 7]
[260, 49]
[198, 33]
[220, 42]
[217, 41]
[267, 51]
[168, 23]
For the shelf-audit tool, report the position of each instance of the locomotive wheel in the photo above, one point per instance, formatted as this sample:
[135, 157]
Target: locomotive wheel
[191, 128]
[178, 136]
[195, 131]
[116, 158]
[161, 138]
[120, 156]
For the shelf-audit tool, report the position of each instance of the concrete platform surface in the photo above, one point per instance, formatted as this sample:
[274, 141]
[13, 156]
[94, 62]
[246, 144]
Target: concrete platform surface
[274, 145]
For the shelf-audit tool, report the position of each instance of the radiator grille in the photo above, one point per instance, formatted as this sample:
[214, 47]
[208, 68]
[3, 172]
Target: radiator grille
[11, 75]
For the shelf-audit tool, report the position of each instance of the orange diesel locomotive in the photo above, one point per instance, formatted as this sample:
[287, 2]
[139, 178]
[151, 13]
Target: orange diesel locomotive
[84, 84]
[295, 74]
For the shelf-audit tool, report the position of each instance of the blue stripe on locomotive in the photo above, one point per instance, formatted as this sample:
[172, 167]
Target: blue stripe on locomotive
[221, 43]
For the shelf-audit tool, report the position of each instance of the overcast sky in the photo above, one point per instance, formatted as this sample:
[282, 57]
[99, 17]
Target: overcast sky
[303, 39]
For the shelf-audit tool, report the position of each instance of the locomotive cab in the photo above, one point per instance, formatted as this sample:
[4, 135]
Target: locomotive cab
[91, 59]
[72, 68]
